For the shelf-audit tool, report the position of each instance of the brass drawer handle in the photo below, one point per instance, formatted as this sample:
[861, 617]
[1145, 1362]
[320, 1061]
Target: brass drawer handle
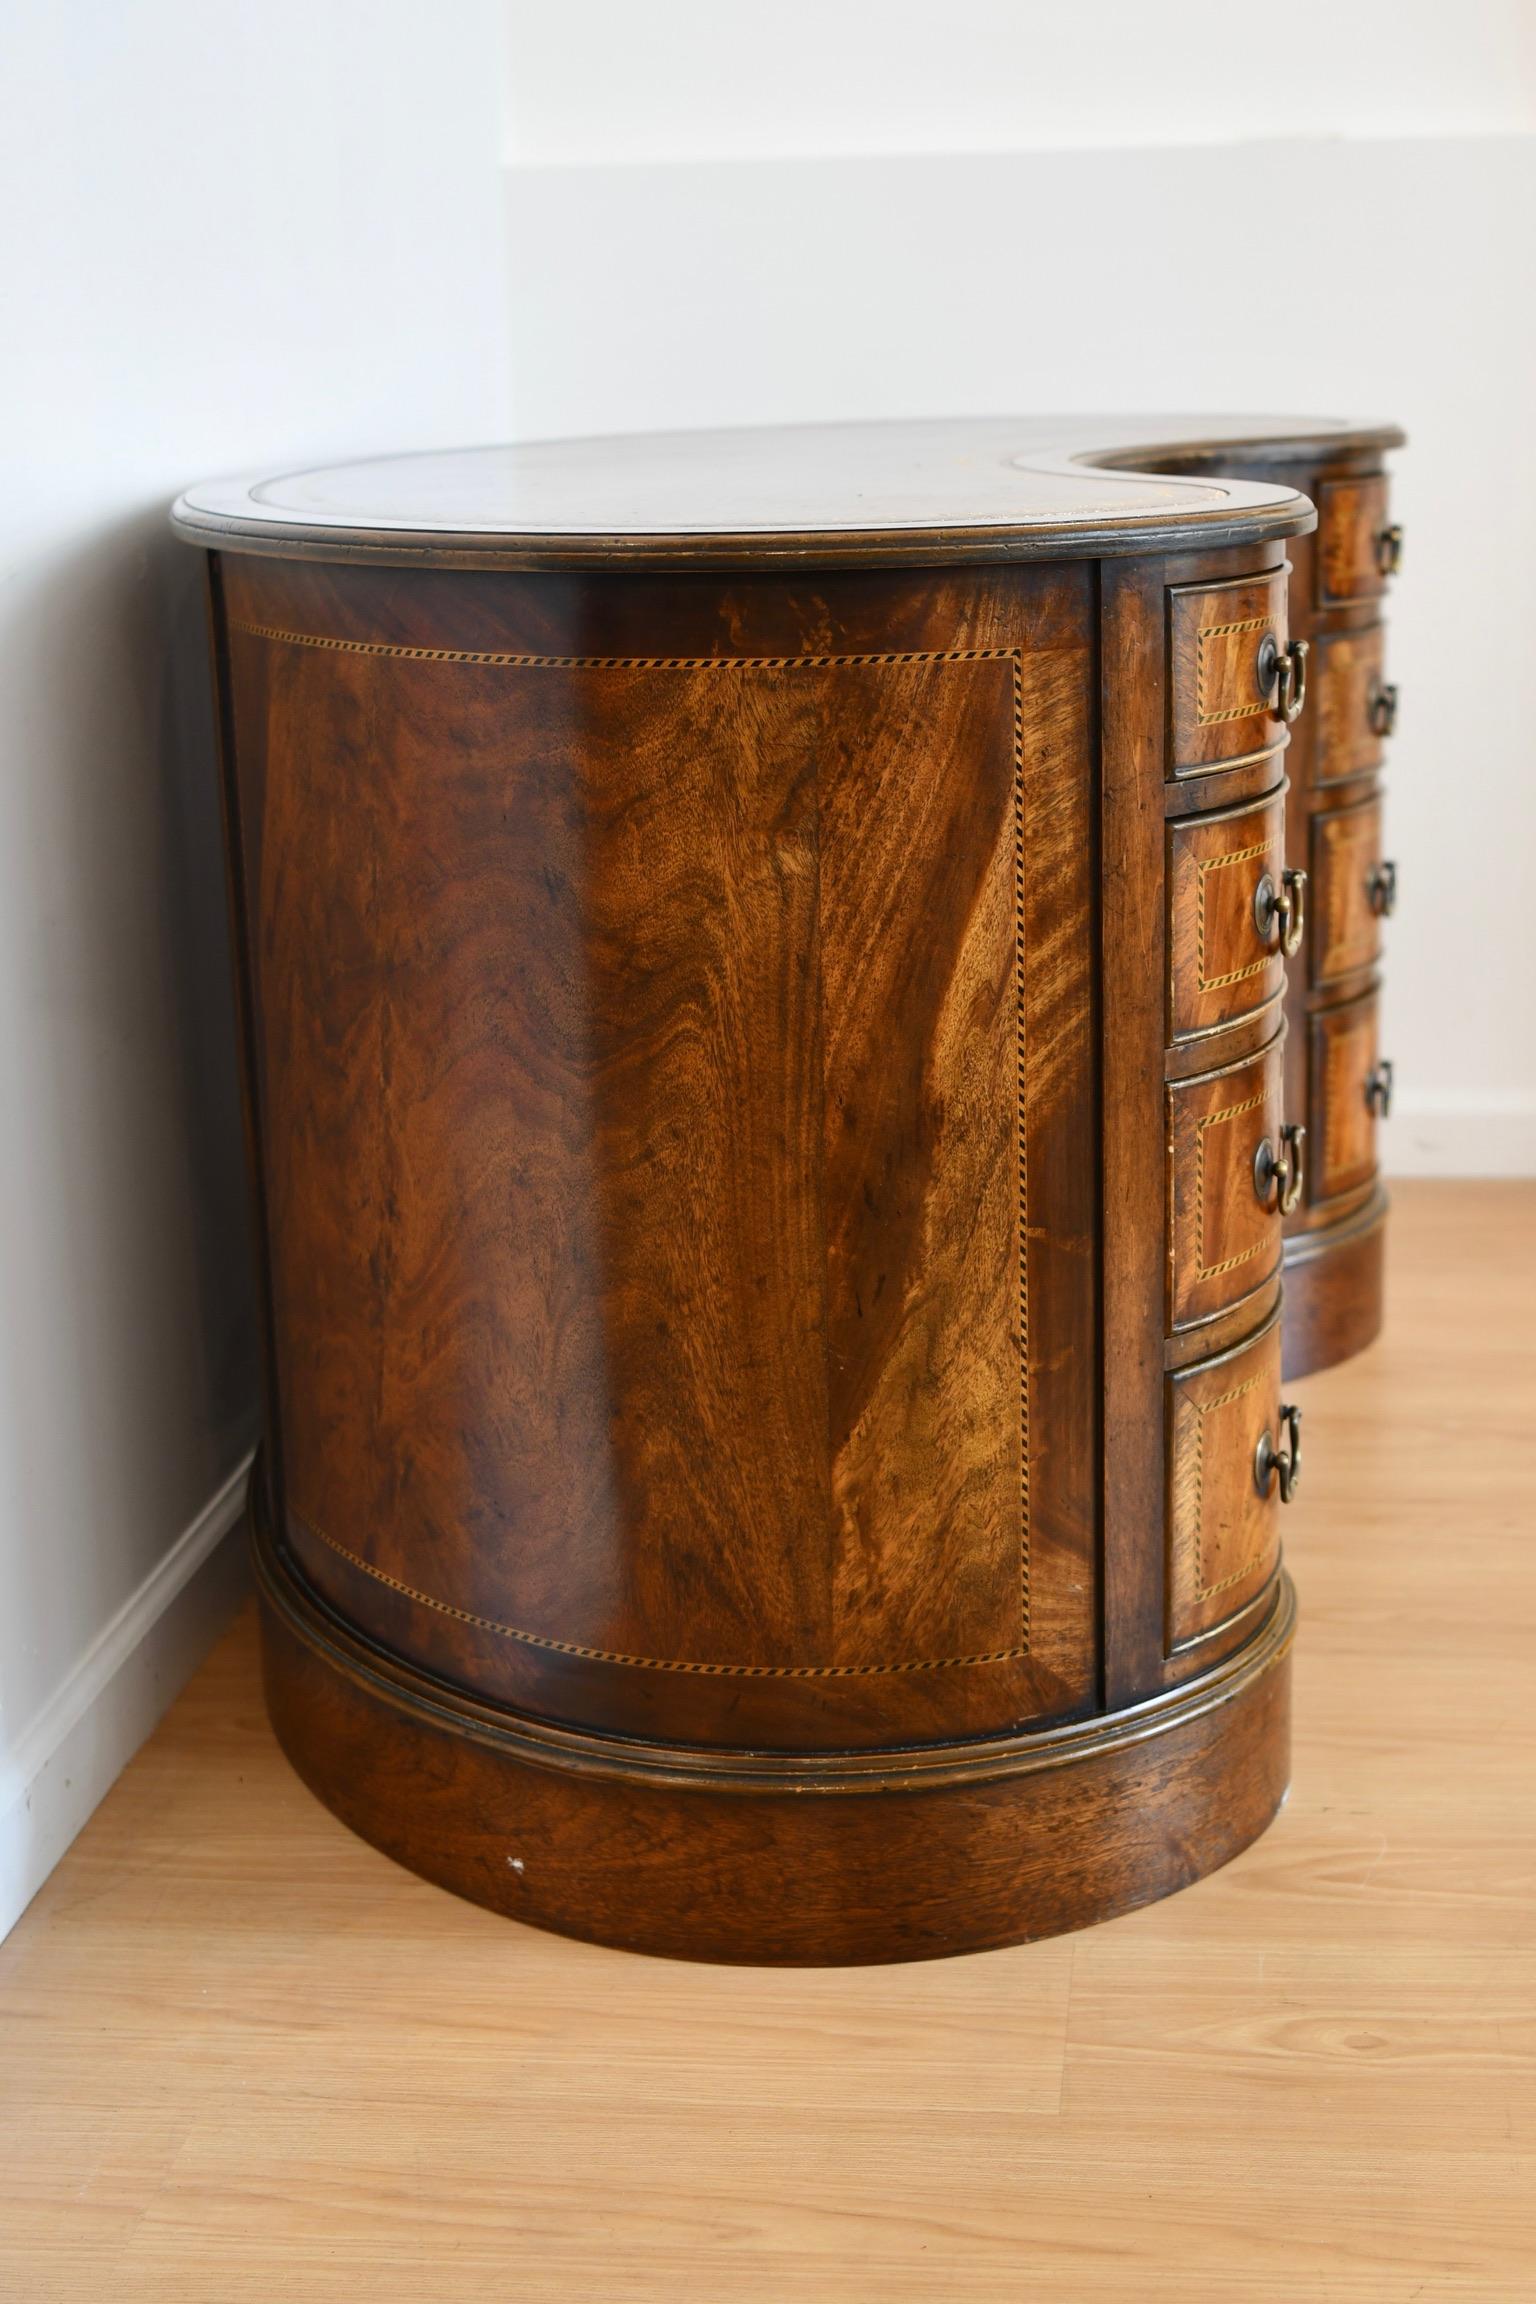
[1280, 914]
[1381, 890]
[1382, 709]
[1278, 1176]
[1284, 670]
[1389, 549]
[1284, 1464]
[1378, 1088]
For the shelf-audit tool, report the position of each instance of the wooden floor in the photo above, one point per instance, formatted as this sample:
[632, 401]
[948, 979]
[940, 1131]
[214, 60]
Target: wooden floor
[244, 2057]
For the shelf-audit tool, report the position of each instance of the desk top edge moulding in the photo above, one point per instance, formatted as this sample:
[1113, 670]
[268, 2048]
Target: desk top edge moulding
[782, 1102]
[955, 489]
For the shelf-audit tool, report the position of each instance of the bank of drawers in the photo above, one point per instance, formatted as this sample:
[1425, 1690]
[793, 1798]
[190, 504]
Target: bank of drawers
[1239, 1164]
[1353, 884]
[1235, 1160]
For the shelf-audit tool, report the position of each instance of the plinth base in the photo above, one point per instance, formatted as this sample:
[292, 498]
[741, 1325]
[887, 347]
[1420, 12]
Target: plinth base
[820, 1859]
[1334, 1289]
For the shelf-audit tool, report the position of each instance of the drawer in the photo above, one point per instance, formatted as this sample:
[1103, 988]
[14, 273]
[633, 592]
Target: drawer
[1358, 548]
[1356, 708]
[1349, 1087]
[1223, 1525]
[1221, 638]
[1224, 1237]
[1352, 891]
[1222, 963]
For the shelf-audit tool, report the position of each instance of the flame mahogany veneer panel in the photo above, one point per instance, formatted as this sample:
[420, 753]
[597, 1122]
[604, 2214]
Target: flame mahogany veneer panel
[686, 1106]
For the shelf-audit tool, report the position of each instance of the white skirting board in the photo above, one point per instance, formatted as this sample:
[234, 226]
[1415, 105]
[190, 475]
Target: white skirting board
[69, 1756]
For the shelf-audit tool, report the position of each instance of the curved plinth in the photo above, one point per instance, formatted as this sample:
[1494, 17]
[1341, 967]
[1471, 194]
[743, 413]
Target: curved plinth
[822, 1859]
[1334, 1285]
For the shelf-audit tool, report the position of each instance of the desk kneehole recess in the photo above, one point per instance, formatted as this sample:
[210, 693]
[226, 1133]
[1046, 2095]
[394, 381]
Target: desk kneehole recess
[769, 1110]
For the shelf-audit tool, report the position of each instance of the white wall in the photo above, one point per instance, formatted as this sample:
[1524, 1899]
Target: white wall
[1330, 210]
[603, 81]
[232, 233]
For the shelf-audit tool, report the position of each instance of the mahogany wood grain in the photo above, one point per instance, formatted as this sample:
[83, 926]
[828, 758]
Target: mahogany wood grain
[1133, 957]
[1347, 674]
[1345, 1050]
[1346, 928]
[1351, 518]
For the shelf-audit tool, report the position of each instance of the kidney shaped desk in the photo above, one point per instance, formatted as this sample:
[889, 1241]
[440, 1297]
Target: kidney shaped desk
[763, 977]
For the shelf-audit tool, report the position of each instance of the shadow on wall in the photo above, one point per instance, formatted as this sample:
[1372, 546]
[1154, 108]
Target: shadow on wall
[194, 925]
[128, 1367]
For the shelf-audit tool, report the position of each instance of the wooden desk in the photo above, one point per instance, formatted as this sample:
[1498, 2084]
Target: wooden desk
[762, 966]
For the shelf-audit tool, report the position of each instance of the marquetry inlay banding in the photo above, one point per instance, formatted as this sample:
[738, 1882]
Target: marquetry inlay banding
[1222, 863]
[502, 1631]
[1227, 1113]
[1208, 716]
[510, 660]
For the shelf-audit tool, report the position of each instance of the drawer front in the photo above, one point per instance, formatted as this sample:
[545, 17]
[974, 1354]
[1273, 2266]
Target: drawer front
[1355, 554]
[1221, 965]
[1352, 704]
[1225, 1232]
[1217, 708]
[1223, 1532]
[1346, 855]
[1345, 1055]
